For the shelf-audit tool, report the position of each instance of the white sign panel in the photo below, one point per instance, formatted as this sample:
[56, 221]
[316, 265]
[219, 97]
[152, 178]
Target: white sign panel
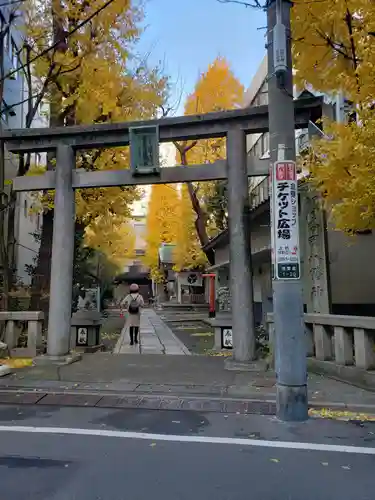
[286, 250]
[227, 338]
[190, 279]
[270, 180]
[82, 336]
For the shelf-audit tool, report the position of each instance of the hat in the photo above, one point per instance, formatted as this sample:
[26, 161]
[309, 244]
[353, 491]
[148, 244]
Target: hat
[134, 288]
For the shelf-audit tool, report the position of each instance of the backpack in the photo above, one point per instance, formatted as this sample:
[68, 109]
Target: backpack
[134, 305]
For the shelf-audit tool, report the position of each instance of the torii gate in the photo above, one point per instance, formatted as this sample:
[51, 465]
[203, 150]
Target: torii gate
[65, 141]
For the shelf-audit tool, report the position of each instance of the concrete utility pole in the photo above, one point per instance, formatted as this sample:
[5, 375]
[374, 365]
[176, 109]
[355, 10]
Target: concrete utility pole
[290, 352]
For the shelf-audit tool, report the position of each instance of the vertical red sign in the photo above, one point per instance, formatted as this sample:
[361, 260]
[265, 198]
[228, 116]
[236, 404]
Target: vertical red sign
[281, 172]
[286, 171]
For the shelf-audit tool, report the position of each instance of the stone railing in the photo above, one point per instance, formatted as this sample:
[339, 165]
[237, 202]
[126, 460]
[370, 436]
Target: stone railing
[345, 340]
[13, 320]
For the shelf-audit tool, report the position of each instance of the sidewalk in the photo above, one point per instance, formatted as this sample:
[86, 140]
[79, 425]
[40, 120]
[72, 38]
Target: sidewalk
[155, 338]
[167, 382]
[134, 377]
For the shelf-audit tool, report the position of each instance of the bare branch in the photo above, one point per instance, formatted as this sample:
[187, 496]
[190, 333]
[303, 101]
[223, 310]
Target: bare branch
[255, 5]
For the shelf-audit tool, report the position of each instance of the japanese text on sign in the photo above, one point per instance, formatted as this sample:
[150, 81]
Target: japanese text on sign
[285, 220]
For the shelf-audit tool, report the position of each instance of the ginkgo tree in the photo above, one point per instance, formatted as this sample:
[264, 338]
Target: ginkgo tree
[162, 224]
[118, 245]
[188, 253]
[217, 89]
[334, 52]
[95, 80]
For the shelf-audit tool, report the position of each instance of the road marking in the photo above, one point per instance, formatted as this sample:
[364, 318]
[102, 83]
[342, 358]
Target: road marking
[190, 439]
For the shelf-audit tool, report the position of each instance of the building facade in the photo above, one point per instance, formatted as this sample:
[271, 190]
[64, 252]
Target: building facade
[134, 270]
[28, 216]
[337, 270]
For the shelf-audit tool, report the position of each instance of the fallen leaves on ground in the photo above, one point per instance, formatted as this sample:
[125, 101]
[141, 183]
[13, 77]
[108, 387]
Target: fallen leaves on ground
[17, 362]
[219, 353]
[205, 334]
[109, 336]
[341, 415]
[187, 327]
[153, 445]
[276, 460]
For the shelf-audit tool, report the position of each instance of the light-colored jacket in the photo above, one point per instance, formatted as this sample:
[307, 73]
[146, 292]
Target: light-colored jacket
[133, 319]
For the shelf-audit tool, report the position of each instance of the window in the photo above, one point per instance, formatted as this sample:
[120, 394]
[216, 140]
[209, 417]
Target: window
[262, 146]
[265, 143]
[37, 159]
[8, 43]
[261, 98]
[14, 56]
[258, 148]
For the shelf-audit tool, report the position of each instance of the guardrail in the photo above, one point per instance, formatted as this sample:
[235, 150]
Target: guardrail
[13, 329]
[346, 340]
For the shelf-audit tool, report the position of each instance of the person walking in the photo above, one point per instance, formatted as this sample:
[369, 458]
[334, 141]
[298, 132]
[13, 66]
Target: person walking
[133, 304]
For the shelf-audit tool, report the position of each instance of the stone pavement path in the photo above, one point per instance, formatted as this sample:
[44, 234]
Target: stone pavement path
[155, 338]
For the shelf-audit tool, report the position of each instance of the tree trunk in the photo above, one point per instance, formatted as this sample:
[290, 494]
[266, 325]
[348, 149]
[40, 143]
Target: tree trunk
[41, 277]
[40, 284]
[5, 285]
[201, 220]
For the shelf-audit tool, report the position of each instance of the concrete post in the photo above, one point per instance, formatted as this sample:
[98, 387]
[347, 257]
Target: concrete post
[10, 334]
[323, 343]
[290, 354]
[62, 256]
[34, 336]
[364, 349]
[239, 249]
[343, 346]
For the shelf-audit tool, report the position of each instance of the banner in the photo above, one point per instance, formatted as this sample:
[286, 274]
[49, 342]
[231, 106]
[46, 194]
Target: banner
[284, 221]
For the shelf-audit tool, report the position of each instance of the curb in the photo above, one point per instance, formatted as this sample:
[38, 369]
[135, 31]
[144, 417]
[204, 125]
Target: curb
[132, 401]
[118, 400]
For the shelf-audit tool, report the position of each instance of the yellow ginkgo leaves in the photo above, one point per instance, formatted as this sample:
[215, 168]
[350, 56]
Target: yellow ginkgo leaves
[333, 49]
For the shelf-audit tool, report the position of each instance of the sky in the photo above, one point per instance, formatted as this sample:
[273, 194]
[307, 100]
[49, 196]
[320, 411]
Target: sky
[185, 36]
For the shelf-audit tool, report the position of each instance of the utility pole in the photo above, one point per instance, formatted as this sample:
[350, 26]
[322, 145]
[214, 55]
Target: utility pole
[290, 351]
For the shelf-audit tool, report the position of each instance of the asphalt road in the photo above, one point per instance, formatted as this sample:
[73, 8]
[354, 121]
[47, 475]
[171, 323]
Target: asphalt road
[95, 454]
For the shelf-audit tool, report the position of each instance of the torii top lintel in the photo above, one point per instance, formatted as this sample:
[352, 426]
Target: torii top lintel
[251, 120]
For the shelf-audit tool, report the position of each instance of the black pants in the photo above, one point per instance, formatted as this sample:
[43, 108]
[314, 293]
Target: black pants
[134, 331]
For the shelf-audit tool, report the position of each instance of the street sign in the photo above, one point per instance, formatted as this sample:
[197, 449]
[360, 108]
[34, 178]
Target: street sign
[285, 228]
[270, 181]
[144, 150]
[227, 338]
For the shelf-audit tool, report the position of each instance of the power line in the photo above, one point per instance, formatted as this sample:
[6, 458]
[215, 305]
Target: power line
[55, 44]
[7, 108]
[11, 2]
